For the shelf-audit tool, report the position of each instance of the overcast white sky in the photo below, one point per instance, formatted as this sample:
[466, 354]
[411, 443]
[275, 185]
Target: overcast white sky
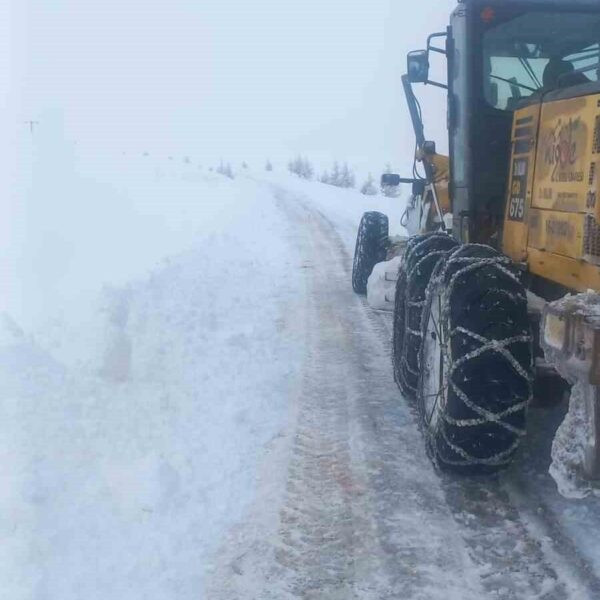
[241, 79]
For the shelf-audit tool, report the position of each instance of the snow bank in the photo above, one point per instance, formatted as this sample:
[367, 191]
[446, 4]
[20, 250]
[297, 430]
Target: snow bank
[145, 379]
[343, 207]
[86, 217]
[569, 445]
[575, 435]
[147, 355]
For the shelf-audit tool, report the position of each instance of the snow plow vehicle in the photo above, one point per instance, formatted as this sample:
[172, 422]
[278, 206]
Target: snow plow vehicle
[498, 284]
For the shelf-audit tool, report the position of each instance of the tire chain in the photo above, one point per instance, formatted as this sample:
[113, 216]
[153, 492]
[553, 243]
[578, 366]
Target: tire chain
[500, 347]
[413, 310]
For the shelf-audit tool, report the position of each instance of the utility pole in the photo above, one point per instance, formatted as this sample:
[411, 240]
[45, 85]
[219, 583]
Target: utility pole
[32, 125]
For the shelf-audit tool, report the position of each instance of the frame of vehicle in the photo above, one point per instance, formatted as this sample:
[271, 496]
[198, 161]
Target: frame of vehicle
[500, 278]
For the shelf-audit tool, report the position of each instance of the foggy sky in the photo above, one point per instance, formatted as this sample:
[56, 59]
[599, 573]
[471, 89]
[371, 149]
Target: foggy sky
[238, 79]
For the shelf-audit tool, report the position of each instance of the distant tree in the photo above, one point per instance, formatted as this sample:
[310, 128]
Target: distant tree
[307, 170]
[301, 167]
[225, 169]
[187, 160]
[244, 165]
[391, 191]
[368, 187]
[335, 177]
[170, 158]
[268, 165]
[146, 154]
[340, 176]
[347, 178]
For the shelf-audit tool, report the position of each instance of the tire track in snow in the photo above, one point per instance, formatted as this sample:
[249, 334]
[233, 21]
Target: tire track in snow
[512, 555]
[349, 528]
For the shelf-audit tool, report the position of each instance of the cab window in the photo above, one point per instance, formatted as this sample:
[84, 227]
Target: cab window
[525, 56]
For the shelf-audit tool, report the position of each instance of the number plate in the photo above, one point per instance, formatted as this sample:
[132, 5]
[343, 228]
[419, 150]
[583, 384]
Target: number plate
[518, 189]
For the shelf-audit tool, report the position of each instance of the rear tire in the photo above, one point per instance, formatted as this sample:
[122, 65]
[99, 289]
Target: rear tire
[476, 361]
[423, 252]
[372, 243]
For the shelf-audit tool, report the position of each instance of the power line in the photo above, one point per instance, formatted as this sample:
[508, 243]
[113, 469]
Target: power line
[31, 124]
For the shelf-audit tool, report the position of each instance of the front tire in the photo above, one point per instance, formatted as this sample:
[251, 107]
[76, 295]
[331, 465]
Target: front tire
[476, 361]
[372, 244]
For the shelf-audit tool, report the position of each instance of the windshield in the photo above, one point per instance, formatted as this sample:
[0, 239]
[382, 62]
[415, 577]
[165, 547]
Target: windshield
[527, 54]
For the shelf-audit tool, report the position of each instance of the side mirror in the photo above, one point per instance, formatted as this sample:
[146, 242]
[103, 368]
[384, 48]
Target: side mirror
[393, 180]
[428, 148]
[418, 66]
[390, 179]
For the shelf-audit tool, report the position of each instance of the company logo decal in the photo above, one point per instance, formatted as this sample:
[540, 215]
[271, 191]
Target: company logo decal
[561, 148]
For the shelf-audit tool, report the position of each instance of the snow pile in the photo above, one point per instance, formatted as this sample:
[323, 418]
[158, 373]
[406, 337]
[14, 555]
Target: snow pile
[569, 445]
[134, 416]
[575, 435]
[147, 357]
[381, 286]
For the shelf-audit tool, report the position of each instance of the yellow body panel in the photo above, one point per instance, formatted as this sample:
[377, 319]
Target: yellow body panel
[441, 167]
[552, 216]
[556, 232]
[574, 274]
[524, 136]
[441, 164]
[564, 154]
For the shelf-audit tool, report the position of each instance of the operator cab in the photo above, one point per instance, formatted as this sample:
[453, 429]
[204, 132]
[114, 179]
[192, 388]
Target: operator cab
[503, 54]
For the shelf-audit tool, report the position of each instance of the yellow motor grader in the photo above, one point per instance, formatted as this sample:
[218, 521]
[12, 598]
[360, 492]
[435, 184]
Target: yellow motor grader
[499, 280]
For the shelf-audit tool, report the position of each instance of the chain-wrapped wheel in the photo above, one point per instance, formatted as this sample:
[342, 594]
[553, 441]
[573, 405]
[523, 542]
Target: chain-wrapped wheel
[372, 243]
[476, 361]
[422, 254]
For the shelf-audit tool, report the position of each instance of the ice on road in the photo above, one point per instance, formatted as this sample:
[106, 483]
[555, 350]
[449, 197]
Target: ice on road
[202, 409]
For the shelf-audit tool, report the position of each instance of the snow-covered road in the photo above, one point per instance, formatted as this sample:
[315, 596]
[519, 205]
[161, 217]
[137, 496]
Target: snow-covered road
[361, 513]
[224, 424]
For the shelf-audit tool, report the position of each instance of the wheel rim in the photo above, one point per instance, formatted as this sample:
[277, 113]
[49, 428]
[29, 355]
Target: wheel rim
[434, 388]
